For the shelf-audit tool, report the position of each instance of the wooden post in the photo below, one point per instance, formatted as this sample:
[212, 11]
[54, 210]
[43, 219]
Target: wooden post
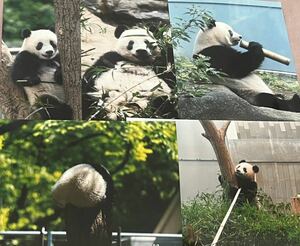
[295, 204]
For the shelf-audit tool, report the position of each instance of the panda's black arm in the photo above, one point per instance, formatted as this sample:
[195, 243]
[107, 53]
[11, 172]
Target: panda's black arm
[25, 66]
[106, 61]
[234, 63]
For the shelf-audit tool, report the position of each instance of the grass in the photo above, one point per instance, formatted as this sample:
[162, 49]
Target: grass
[271, 224]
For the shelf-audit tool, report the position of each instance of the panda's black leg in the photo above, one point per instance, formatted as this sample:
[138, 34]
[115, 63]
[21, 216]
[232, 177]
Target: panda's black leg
[273, 101]
[53, 109]
[58, 76]
[34, 80]
[266, 100]
[294, 103]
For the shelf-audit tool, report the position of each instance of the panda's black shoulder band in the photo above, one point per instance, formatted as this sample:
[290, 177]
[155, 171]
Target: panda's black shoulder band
[211, 23]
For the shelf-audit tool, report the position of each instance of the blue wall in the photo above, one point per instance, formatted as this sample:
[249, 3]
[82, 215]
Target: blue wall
[255, 20]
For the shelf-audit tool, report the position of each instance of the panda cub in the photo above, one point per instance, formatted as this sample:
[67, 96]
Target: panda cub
[216, 42]
[127, 81]
[38, 64]
[245, 176]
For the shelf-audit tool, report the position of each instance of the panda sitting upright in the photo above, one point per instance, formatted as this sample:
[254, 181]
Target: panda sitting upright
[215, 42]
[127, 81]
[38, 64]
[245, 176]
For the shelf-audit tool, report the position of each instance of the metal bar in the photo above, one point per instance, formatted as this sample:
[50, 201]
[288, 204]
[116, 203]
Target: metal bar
[216, 239]
[115, 234]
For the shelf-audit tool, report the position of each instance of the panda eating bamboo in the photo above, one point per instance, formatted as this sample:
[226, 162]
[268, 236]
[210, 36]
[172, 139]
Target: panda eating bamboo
[216, 42]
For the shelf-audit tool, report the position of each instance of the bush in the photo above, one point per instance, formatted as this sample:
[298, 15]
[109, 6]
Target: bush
[271, 224]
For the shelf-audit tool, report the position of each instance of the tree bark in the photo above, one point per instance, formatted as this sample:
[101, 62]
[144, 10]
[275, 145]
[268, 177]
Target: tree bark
[217, 139]
[13, 102]
[67, 28]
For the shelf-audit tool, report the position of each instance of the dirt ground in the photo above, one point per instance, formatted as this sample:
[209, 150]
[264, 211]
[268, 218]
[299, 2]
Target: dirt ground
[99, 37]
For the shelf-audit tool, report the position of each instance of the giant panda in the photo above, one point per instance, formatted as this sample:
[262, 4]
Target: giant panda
[37, 68]
[122, 81]
[85, 192]
[245, 177]
[215, 42]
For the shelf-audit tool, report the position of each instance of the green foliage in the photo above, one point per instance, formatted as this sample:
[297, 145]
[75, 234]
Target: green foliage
[18, 15]
[271, 224]
[197, 18]
[193, 71]
[34, 157]
[283, 84]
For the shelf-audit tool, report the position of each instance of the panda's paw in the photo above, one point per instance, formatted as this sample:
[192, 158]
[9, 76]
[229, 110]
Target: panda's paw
[255, 45]
[58, 76]
[34, 81]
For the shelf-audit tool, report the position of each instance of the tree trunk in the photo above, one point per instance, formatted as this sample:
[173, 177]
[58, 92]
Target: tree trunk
[217, 139]
[67, 28]
[13, 102]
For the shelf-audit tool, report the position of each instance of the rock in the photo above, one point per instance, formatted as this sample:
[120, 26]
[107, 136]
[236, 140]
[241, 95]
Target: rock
[96, 39]
[220, 103]
[130, 12]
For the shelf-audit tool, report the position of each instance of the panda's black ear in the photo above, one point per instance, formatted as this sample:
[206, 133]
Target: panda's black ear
[153, 28]
[255, 169]
[242, 161]
[51, 28]
[25, 33]
[211, 23]
[119, 30]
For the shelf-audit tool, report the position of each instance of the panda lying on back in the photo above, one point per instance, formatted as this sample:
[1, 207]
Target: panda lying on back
[216, 42]
[127, 82]
[38, 63]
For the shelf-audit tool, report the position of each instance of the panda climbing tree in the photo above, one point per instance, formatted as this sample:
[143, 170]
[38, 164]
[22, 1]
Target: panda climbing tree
[240, 175]
[16, 101]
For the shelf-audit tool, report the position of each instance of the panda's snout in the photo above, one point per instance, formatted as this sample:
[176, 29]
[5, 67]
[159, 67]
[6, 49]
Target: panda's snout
[49, 52]
[142, 53]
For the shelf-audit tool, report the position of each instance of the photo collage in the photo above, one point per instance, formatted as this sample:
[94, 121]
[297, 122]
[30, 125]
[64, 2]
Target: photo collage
[177, 123]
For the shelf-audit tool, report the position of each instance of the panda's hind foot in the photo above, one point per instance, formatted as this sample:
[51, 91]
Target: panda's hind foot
[33, 81]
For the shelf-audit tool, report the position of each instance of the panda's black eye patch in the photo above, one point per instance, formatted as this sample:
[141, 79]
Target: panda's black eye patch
[245, 169]
[230, 33]
[130, 45]
[39, 46]
[53, 44]
[149, 44]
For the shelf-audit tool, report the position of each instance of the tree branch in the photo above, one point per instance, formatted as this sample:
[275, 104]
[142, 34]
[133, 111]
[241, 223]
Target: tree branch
[13, 103]
[217, 139]
[67, 25]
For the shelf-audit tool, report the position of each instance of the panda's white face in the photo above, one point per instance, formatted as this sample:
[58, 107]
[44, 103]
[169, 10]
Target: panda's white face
[138, 45]
[220, 34]
[42, 43]
[246, 170]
